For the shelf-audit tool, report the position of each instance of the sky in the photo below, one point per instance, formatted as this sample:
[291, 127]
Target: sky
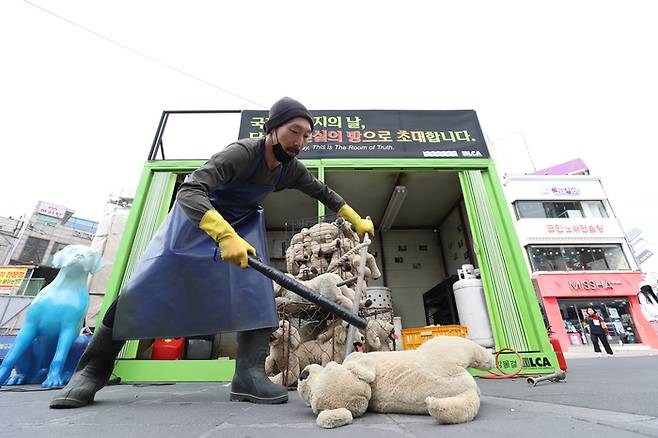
[83, 83]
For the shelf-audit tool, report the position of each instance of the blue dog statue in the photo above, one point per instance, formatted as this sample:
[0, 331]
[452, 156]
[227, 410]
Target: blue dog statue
[49, 346]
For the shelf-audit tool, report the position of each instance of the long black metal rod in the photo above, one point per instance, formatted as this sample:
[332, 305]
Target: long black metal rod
[158, 133]
[306, 292]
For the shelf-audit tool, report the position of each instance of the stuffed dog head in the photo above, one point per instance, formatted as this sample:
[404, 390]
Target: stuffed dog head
[337, 393]
[339, 330]
[285, 333]
[79, 257]
[378, 333]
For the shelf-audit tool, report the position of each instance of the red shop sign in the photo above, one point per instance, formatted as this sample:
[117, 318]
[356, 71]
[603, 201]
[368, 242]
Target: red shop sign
[588, 284]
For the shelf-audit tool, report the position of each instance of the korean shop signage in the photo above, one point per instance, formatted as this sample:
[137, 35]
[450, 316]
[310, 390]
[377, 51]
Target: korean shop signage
[52, 210]
[385, 134]
[574, 229]
[561, 191]
[11, 278]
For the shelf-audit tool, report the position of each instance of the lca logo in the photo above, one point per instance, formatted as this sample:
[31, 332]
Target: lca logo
[536, 362]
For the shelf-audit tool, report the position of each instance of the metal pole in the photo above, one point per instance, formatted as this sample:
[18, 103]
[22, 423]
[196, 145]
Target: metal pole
[305, 292]
[158, 133]
[357, 294]
[17, 241]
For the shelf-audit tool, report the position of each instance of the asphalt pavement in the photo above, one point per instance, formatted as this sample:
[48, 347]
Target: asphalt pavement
[602, 397]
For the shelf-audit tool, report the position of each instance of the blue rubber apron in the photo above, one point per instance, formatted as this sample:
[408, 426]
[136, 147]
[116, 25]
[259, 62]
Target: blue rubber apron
[179, 289]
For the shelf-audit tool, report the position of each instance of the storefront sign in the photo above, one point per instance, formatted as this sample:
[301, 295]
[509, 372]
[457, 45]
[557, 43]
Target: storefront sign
[588, 284]
[579, 229]
[52, 210]
[593, 285]
[561, 191]
[385, 134]
[11, 278]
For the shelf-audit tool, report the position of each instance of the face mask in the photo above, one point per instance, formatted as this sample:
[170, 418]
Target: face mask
[280, 154]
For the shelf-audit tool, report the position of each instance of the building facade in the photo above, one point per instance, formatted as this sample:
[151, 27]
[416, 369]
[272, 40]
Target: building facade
[578, 256]
[48, 229]
[9, 230]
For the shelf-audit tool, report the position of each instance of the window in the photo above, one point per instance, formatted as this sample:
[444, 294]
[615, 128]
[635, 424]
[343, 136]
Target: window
[82, 225]
[560, 209]
[48, 220]
[546, 258]
[530, 209]
[577, 258]
[594, 209]
[34, 250]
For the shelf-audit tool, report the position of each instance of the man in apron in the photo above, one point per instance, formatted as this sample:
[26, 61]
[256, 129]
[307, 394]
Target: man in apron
[182, 287]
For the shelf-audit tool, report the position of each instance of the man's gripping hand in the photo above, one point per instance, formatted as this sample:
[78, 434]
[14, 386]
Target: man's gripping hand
[361, 226]
[233, 248]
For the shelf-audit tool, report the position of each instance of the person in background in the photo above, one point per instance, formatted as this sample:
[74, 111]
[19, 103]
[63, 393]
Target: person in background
[598, 331]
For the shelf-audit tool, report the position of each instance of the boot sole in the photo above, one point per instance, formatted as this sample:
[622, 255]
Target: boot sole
[238, 397]
[68, 403]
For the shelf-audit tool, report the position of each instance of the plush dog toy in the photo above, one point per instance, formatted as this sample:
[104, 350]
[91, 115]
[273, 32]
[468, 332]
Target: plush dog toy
[325, 285]
[41, 350]
[328, 346]
[282, 365]
[432, 379]
[378, 333]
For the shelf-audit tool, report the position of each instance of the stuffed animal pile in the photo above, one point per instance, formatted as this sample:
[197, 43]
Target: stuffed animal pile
[325, 258]
[327, 247]
[430, 380]
[281, 365]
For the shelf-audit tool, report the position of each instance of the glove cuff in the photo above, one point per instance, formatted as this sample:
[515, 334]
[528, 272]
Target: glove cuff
[348, 213]
[215, 225]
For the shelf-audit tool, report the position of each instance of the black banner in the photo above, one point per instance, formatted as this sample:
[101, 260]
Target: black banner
[385, 134]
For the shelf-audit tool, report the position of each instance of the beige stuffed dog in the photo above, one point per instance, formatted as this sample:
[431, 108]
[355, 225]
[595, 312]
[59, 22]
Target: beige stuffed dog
[432, 379]
[325, 285]
[378, 333]
[328, 346]
[282, 366]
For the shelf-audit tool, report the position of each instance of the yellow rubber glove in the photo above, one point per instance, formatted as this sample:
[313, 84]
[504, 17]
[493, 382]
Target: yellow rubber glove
[233, 248]
[360, 225]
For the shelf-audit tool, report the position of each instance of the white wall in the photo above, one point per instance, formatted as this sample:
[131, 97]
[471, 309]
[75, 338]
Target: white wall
[453, 238]
[414, 273]
[408, 278]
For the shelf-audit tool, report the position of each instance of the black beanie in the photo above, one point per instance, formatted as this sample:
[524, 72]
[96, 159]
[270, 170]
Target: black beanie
[286, 109]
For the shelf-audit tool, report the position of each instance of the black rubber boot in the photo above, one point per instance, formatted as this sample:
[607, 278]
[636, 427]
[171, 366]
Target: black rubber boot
[250, 382]
[93, 371]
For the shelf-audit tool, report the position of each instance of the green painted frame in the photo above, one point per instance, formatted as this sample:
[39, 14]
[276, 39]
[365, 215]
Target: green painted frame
[222, 370]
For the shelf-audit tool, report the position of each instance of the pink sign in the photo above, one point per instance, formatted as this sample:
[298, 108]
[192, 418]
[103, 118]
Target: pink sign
[588, 284]
[53, 210]
[579, 229]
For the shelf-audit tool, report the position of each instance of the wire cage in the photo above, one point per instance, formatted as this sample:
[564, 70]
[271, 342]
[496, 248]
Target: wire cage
[314, 257]
[307, 334]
